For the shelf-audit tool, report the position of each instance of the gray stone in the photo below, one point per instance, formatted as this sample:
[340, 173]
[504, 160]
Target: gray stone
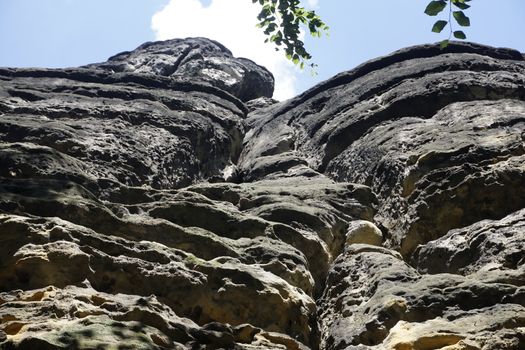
[488, 247]
[163, 200]
[195, 59]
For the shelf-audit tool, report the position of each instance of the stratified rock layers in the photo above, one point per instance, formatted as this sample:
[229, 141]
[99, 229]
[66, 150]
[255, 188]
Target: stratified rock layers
[161, 200]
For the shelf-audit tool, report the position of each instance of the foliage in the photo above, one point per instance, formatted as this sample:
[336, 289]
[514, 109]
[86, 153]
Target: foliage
[456, 8]
[281, 21]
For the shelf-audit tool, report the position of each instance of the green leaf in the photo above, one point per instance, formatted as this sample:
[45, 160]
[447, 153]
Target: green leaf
[458, 34]
[460, 17]
[438, 26]
[443, 44]
[282, 20]
[461, 5]
[435, 7]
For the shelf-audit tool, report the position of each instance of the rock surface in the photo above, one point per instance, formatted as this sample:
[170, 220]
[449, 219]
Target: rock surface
[195, 59]
[163, 200]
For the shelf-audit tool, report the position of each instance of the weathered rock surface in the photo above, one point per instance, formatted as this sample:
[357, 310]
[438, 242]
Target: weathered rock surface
[163, 200]
[195, 59]
[488, 247]
[373, 298]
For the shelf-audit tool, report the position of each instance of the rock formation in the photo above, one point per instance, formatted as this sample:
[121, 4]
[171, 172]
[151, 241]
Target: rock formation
[162, 200]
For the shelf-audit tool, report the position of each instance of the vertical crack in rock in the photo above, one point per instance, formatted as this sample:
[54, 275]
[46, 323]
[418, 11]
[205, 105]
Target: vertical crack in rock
[162, 200]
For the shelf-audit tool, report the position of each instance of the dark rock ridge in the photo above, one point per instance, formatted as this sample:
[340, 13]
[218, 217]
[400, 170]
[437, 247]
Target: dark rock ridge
[162, 200]
[195, 59]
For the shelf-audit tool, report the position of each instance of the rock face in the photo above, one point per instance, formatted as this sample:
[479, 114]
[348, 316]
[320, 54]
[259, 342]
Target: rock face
[195, 59]
[162, 200]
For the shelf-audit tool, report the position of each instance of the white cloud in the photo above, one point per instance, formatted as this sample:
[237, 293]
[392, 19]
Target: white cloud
[232, 23]
[313, 3]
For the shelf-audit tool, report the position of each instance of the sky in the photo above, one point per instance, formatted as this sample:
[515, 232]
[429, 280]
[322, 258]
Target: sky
[67, 33]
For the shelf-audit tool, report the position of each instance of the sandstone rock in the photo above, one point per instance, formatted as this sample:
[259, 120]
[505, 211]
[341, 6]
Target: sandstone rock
[195, 59]
[373, 128]
[363, 232]
[418, 81]
[462, 331]
[374, 299]
[311, 216]
[61, 254]
[35, 319]
[432, 175]
[163, 200]
[487, 247]
[98, 132]
[260, 102]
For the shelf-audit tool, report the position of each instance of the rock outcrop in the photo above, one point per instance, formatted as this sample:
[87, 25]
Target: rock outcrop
[162, 200]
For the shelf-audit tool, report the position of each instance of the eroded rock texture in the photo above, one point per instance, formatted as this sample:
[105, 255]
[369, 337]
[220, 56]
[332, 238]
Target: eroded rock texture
[162, 200]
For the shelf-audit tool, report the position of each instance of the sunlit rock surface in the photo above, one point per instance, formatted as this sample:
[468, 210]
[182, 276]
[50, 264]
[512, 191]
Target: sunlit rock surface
[163, 200]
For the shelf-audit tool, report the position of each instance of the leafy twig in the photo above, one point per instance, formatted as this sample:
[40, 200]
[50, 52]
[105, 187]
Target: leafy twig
[281, 21]
[437, 6]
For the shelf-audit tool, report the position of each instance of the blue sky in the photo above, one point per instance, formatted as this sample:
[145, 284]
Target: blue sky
[62, 33]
